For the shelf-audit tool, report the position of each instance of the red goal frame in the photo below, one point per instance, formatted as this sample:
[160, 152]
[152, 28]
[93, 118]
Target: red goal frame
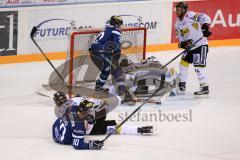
[95, 31]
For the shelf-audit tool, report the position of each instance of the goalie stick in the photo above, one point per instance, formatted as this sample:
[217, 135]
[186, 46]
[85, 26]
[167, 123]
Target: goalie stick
[34, 30]
[149, 98]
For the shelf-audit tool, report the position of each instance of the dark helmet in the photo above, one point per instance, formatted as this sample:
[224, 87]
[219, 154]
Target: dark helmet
[86, 108]
[85, 105]
[59, 98]
[183, 5]
[116, 21]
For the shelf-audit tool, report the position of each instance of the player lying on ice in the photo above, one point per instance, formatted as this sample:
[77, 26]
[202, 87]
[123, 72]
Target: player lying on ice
[77, 117]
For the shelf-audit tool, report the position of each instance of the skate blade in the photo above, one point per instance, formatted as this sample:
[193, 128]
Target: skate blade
[181, 93]
[202, 96]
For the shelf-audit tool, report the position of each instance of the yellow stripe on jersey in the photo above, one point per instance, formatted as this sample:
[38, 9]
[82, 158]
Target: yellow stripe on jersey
[184, 63]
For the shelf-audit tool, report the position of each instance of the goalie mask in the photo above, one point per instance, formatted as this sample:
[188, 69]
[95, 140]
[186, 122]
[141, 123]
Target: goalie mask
[59, 98]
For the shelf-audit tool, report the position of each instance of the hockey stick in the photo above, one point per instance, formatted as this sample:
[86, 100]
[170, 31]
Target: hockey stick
[137, 109]
[181, 53]
[149, 101]
[149, 98]
[34, 30]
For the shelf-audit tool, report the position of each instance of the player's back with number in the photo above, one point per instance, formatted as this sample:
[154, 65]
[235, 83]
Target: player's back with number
[107, 41]
[66, 133]
[62, 132]
[110, 33]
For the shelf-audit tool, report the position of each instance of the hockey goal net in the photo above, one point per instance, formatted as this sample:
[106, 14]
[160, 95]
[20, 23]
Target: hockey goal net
[79, 68]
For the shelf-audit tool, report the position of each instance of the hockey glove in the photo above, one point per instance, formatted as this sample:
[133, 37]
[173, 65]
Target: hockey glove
[205, 30]
[95, 145]
[186, 44]
[90, 119]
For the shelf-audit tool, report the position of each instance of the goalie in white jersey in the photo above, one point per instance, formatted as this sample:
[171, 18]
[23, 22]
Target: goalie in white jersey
[192, 30]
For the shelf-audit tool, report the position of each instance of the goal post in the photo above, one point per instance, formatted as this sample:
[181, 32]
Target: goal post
[82, 69]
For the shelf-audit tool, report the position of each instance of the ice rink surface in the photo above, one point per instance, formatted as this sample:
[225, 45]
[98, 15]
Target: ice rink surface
[213, 133]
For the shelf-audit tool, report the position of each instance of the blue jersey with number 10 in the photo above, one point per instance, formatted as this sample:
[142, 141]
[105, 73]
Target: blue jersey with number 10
[108, 41]
[67, 132]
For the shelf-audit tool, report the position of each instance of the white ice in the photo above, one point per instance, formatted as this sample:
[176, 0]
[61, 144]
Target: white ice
[213, 134]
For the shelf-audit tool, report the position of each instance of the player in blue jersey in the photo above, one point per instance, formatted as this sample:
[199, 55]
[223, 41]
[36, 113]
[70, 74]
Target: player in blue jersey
[77, 119]
[105, 53]
[69, 128]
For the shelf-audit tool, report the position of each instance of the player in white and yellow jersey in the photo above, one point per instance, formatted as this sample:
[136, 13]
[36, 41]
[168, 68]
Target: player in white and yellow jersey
[192, 30]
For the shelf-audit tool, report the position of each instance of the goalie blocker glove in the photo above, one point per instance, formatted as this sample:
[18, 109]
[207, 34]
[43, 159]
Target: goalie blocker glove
[96, 145]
